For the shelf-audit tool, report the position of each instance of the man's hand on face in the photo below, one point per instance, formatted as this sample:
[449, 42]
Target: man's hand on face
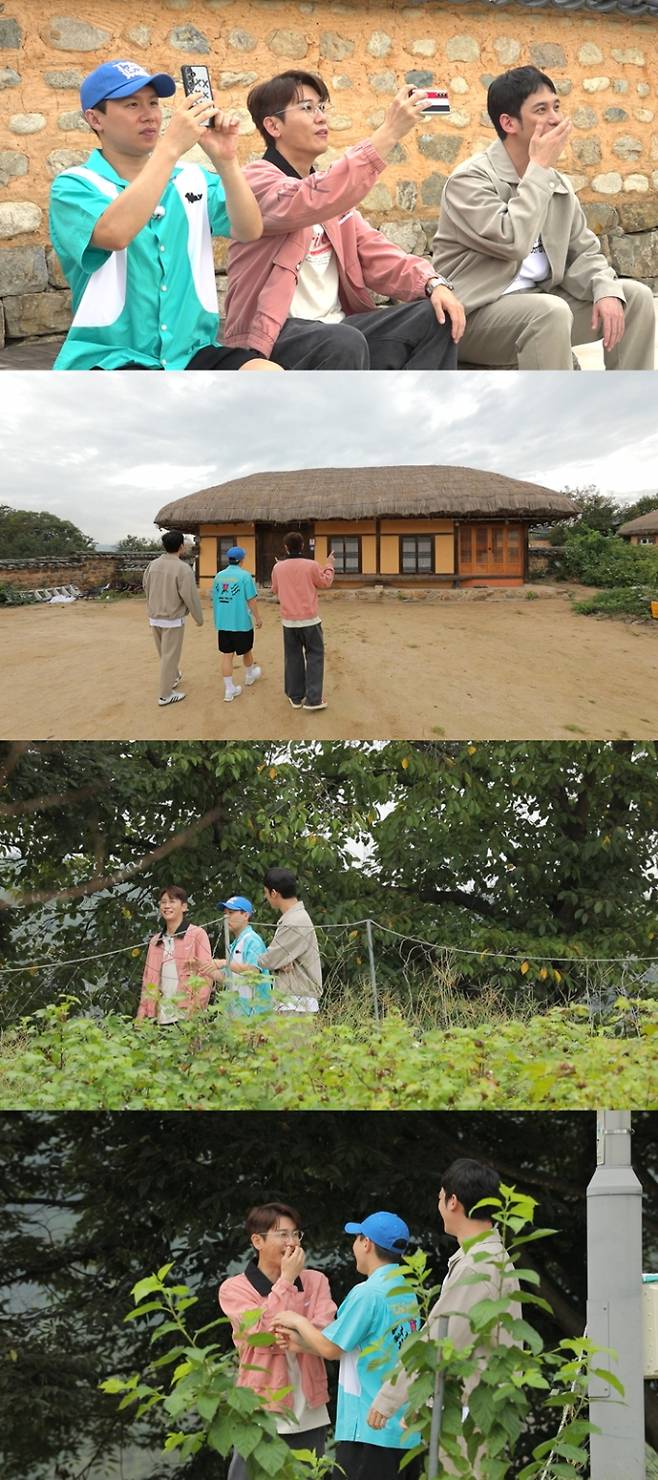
[444, 301]
[186, 127]
[220, 142]
[608, 314]
[548, 142]
[292, 1263]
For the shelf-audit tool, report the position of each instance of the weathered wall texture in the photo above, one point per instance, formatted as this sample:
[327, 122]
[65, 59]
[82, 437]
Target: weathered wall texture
[605, 67]
[88, 572]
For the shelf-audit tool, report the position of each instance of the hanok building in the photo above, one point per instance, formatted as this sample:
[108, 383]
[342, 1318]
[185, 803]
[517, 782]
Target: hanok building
[390, 526]
[641, 531]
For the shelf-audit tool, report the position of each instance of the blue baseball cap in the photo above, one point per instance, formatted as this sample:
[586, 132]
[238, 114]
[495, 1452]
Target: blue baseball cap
[236, 552]
[119, 80]
[237, 902]
[385, 1229]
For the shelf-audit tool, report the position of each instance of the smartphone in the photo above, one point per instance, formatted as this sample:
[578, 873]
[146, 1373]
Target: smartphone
[436, 104]
[196, 79]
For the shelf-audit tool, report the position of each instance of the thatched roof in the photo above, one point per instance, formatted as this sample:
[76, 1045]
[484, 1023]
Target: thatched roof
[644, 524]
[361, 493]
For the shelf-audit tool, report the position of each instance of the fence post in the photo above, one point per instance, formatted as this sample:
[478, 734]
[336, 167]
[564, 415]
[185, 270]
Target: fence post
[437, 1406]
[614, 1301]
[373, 973]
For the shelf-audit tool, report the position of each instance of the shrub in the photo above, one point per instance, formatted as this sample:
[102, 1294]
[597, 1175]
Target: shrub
[624, 601]
[604, 560]
[14, 596]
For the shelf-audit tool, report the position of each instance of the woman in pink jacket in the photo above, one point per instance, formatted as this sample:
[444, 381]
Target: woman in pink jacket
[274, 1281]
[177, 955]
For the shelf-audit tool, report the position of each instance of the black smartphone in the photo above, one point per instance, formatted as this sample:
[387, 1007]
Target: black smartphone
[196, 79]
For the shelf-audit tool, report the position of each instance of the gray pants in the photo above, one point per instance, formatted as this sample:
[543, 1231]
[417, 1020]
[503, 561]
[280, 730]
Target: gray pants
[313, 1439]
[169, 643]
[536, 331]
[405, 337]
[303, 654]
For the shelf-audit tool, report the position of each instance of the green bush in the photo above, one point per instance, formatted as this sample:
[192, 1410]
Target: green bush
[14, 596]
[605, 560]
[555, 1060]
[625, 601]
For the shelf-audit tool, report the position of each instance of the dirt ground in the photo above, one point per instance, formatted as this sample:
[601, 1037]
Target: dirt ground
[501, 668]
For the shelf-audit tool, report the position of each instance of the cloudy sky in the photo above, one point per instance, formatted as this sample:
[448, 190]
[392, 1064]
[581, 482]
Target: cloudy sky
[108, 450]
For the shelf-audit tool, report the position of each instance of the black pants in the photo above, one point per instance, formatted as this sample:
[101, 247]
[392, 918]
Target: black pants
[406, 337]
[313, 1439]
[211, 357]
[372, 1462]
[303, 654]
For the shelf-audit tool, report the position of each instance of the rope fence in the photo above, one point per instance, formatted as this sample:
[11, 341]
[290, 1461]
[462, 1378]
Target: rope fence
[365, 963]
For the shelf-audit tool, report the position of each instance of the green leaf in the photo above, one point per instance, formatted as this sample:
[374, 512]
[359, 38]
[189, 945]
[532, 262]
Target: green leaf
[146, 1287]
[207, 1404]
[144, 1310]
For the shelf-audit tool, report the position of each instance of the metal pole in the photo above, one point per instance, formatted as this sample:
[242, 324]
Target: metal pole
[614, 1302]
[437, 1406]
[373, 973]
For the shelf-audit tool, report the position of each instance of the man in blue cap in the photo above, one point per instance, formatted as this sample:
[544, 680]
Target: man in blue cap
[133, 229]
[250, 987]
[235, 610]
[365, 1337]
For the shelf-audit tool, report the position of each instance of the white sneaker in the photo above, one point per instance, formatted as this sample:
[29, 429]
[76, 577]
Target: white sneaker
[232, 693]
[177, 680]
[173, 698]
[251, 674]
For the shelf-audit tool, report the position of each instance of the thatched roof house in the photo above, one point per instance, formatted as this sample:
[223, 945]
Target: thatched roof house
[643, 530]
[461, 526]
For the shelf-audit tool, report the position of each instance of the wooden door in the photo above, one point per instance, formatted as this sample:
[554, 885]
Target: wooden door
[269, 546]
[492, 551]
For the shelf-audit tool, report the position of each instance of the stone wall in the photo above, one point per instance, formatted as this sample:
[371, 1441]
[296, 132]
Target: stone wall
[86, 571]
[604, 66]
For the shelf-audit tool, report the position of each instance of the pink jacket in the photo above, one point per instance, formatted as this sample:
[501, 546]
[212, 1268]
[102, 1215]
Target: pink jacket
[296, 582]
[238, 1295]
[194, 943]
[262, 275]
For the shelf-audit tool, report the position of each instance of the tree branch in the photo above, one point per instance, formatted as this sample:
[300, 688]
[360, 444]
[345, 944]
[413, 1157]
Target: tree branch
[53, 799]
[109, 881]
[15, 751]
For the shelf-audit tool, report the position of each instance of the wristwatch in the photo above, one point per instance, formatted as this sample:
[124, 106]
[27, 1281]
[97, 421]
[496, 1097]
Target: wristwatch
[436, 282]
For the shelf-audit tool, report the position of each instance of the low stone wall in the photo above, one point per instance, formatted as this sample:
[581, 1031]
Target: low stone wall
[86, 571]
[604, 65]
[434, 593]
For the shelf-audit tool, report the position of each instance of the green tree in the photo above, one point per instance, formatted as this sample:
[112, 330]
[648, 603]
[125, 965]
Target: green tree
[131, 544]
[27, 535]
[500, 849]
[595, 511]
[644, 505]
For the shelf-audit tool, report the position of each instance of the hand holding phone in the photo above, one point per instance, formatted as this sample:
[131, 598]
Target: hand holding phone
[196, 79]
[437, 103]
